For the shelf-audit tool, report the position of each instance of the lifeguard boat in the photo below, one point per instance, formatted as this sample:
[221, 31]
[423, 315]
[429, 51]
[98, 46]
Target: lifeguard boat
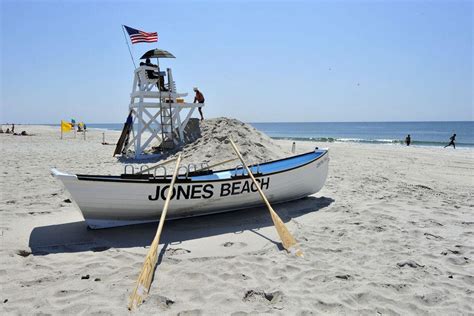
[130, 198]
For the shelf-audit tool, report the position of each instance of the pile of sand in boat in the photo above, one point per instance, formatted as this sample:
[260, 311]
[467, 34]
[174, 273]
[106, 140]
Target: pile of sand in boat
[208, 141]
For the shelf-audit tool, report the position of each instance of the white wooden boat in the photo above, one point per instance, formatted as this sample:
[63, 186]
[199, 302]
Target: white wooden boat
[108, 201]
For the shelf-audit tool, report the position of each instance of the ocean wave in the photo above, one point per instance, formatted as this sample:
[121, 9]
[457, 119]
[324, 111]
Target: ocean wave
[373, 141]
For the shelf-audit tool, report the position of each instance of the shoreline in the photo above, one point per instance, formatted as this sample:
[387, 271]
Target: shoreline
[326, 140]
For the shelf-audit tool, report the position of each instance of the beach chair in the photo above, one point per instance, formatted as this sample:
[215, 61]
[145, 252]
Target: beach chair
[146, 82]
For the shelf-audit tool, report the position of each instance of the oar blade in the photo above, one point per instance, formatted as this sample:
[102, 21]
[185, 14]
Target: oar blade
[289, 243]
[287, 239]
[143, 282]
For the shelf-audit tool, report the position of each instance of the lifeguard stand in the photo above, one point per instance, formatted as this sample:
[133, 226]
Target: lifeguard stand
[155, 111]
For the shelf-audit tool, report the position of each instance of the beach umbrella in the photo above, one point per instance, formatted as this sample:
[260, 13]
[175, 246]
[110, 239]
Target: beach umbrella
[157, 53]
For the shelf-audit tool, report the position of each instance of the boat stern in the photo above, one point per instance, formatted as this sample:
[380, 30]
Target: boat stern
[58, 174]
[322, 168]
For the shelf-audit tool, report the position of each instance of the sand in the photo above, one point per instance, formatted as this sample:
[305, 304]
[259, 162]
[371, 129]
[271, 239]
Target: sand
[208, 142]
[392, 232]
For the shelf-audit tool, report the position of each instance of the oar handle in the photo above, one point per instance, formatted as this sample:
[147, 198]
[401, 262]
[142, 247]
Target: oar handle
[167, 201]
[144, 280]
[251, 176]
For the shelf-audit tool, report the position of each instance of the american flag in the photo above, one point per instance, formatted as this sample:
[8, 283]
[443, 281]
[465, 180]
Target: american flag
[137, 36]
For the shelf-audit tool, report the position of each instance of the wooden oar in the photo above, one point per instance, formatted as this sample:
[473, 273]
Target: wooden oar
[217, 164]
[288, 241]
[156, 166]
[144, 280]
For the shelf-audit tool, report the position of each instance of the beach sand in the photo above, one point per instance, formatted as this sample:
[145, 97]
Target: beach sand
[392, 232]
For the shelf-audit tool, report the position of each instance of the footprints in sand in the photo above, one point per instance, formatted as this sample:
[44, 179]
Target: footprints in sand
[177, 251]
[455, 256]
[401, 287]
[432, 236]
[426, 223]
[230, 277]
[87, 277]
[162, 301]
[344, 277]
[423, 187]
[264, 297]
[378, 229]
[409, 263]
[234, 244]
[39, 213]
[455, 252]
[23, 253]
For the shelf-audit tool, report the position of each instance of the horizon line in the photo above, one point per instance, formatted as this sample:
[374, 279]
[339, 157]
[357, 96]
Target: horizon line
[271, 122]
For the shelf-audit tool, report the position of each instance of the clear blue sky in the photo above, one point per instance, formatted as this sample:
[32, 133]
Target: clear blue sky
[254, 60]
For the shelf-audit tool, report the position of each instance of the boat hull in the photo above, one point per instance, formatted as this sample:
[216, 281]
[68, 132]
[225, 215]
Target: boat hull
[108, 202]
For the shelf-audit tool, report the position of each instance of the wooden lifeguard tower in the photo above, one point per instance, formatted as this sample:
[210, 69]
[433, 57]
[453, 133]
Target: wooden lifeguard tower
[155, 111]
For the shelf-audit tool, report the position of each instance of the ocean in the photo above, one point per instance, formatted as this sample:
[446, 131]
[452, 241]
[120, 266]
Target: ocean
[422, 133]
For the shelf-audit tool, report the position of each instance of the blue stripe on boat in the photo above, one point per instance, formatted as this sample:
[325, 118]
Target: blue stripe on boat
[266, 168]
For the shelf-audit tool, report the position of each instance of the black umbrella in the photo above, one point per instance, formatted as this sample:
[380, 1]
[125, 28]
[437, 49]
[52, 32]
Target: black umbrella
[157, 53]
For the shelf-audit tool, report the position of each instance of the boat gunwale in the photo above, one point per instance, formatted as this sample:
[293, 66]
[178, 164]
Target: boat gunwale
[109, 178]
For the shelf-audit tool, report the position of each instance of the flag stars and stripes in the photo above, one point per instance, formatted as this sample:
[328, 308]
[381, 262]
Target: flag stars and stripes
[137, 36]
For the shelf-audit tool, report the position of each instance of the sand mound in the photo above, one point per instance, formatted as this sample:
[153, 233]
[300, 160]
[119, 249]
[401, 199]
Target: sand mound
[208, 141]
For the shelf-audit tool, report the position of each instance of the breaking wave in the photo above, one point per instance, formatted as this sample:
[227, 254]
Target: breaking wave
[372, 141]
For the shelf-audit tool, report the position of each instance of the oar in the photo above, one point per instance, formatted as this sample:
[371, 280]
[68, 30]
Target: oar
[217, 164]
[144, 280]
[288, 241]
[156, 166]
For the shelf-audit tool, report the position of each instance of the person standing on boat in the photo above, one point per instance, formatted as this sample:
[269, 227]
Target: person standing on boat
[200, 99]
[408, 140]
[452, 139]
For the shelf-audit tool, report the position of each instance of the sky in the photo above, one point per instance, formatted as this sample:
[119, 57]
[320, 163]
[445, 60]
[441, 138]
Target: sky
[257, 61]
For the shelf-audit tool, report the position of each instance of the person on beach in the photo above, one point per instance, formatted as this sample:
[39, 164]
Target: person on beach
[150, 73]
[200, 99]
[452, 139]
[13, 128]
[408, 140]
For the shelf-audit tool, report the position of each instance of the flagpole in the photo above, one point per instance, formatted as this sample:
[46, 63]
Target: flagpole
[129, 50]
